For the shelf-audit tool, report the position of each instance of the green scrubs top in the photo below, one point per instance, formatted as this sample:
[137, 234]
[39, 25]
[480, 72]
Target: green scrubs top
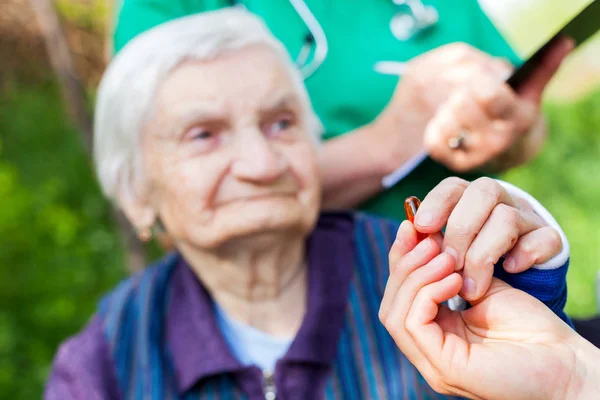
[345, 91]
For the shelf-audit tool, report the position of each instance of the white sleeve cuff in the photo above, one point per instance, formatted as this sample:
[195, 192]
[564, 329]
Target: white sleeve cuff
[402, 172]
[561, 258]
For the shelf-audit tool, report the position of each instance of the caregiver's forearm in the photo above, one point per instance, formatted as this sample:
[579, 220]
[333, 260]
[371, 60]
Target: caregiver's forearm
[353, 165]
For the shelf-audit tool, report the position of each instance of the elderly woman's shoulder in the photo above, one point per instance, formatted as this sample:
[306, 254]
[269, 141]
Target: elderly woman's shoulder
[82, 366]
[153, 278]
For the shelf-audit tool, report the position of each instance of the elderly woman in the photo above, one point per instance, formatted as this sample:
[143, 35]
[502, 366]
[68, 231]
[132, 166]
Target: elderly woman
[204, 130]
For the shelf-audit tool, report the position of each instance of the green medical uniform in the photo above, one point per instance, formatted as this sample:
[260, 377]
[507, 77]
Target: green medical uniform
[346, 91]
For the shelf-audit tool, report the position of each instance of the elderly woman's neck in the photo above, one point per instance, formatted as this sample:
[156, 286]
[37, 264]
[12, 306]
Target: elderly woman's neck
[260, 282]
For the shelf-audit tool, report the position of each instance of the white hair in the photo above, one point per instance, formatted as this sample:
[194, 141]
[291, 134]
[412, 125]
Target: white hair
[125, 95]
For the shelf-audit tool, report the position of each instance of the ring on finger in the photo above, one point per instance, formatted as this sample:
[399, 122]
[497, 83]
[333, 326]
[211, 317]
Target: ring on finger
[458, 142]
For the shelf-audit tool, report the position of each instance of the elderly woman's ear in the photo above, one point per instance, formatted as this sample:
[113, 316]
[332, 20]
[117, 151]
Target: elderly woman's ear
[139, 212]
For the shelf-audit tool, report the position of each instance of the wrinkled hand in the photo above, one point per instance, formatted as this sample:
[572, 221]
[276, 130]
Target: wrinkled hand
[500, 128]
[507, 346]
[484, 223]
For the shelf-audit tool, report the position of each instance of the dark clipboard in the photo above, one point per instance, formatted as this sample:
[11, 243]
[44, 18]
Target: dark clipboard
[580, 28]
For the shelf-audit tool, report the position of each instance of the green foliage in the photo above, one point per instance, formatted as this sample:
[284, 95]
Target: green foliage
[90, 15]
[59, 252]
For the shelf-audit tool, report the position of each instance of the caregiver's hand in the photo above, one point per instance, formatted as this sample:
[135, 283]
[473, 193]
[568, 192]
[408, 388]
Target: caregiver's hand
[507, 346]
[483, 223]
[485, 123]
[428, 83]
[454, 86]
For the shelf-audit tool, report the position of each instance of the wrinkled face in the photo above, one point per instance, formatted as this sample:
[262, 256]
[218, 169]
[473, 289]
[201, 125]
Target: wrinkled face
[226, 153]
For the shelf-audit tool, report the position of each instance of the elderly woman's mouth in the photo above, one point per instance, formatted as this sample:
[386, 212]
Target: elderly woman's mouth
[262, 197]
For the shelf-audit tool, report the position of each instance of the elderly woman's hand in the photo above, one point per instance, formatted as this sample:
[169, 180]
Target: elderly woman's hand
[484, 223]
[454, 103]
[508, 345]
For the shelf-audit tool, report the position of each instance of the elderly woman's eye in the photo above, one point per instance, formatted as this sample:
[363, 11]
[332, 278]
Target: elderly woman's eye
[279, 125]
[201, 134]
[202, 139]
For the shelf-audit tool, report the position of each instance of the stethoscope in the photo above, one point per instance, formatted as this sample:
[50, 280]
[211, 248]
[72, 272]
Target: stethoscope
[411, 19]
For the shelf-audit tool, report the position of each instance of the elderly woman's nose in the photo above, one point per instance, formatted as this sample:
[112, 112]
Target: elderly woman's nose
[258, 160]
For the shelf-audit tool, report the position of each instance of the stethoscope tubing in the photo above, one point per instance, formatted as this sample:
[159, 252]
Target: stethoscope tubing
[316, 35]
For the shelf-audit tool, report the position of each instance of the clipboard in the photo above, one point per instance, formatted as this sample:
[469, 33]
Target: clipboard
[580, 28]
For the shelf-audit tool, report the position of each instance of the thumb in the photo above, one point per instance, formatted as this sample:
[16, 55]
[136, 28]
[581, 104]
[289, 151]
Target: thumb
[533, 88]
[496, 286]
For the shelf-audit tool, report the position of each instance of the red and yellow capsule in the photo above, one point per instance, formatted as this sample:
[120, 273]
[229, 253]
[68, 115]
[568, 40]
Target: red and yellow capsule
[411, 205]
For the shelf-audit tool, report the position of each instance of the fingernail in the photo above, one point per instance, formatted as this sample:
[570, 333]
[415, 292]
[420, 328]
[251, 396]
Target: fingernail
[509, 264]
[505, 75]
[424, 218]
[468, 287]
[423, 246]
[401, 230]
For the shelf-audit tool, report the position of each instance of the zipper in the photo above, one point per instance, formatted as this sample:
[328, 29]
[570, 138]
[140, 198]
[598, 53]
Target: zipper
[269, 386]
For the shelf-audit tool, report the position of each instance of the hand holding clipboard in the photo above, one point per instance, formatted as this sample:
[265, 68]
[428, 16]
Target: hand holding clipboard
[530, 79]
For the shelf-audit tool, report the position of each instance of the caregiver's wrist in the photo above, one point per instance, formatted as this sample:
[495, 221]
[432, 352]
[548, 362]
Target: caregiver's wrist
[392, 143]
[351, 163]
[585, 376]
[372, 150]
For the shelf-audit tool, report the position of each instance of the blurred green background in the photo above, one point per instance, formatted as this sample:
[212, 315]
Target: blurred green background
[59, 247]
